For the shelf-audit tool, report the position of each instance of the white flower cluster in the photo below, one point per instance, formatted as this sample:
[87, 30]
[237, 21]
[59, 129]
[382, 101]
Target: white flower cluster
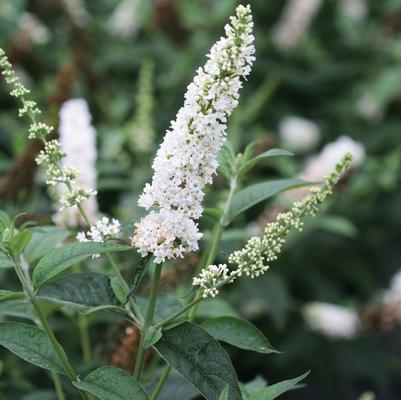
[294, 22]
[103, 230]
[78, 143]
[124, 21]
[299, 134]
[166, 234]
[187, 159]
[331, 320]
[210, 278]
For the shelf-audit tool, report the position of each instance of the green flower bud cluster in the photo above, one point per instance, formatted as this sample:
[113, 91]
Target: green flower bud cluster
[253, 259]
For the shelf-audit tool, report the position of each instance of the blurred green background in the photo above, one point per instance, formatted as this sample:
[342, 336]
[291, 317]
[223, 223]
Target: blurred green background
[335, 63]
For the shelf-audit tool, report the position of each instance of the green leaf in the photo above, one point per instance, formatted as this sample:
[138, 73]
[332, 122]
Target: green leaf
[247, 166]
[152, 336]
[58, 260]
[224, 393]
[19, 308]
[139, 273]
[44, 239]
[213, 308]
[86, 289]
[31, 344]
[110, 383]
[111, 309]
[176, 387]
[20, 241]
[238, 333]
[254, 194]
[166, 304]
[273, 391]
[119, 289]
[227, 160]
[199, 358]
[10, 295]
[213, 213]
[40, 395]
[5, 262]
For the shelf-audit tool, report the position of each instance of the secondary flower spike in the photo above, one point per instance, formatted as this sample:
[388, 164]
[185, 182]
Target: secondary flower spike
[78, 142]
[187, 159]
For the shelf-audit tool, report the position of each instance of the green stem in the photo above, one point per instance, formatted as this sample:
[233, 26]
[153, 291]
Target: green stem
[48, 330]
[217, 232]
[174, 316]
[198, 299]
[148, 321]
[192, 306]
[57, 386]
[137, 313]
[160, 382]
[84, 337]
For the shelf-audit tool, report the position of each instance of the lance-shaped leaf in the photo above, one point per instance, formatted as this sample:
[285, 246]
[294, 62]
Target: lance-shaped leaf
[31, 344]
[110, 383]
[86, 289]
[10, 295]
[58, 260]
[44, 239]
[247, 166]
[199, 358]
[254, 194]
[273, 391]
[238, 333]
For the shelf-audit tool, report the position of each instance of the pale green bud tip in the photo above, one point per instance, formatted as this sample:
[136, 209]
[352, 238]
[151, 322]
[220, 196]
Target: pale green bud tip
[261, 250]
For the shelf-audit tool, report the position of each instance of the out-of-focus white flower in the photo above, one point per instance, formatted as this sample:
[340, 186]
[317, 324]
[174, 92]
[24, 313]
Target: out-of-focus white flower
[369, 108]
[331, 320]
[166, 234]
[187, 159]
[299, 134]
[355, 9]
[124, 21]
[78, 142]
[209, 278]
[77, 11]
[393, 293]
[319, 166]
[33, 28]
[294, 22]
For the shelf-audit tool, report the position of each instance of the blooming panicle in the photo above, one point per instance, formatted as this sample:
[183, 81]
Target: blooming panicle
[166, 234]
[331, 320]
[78, 143]
[210, 278]
[187, 159]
